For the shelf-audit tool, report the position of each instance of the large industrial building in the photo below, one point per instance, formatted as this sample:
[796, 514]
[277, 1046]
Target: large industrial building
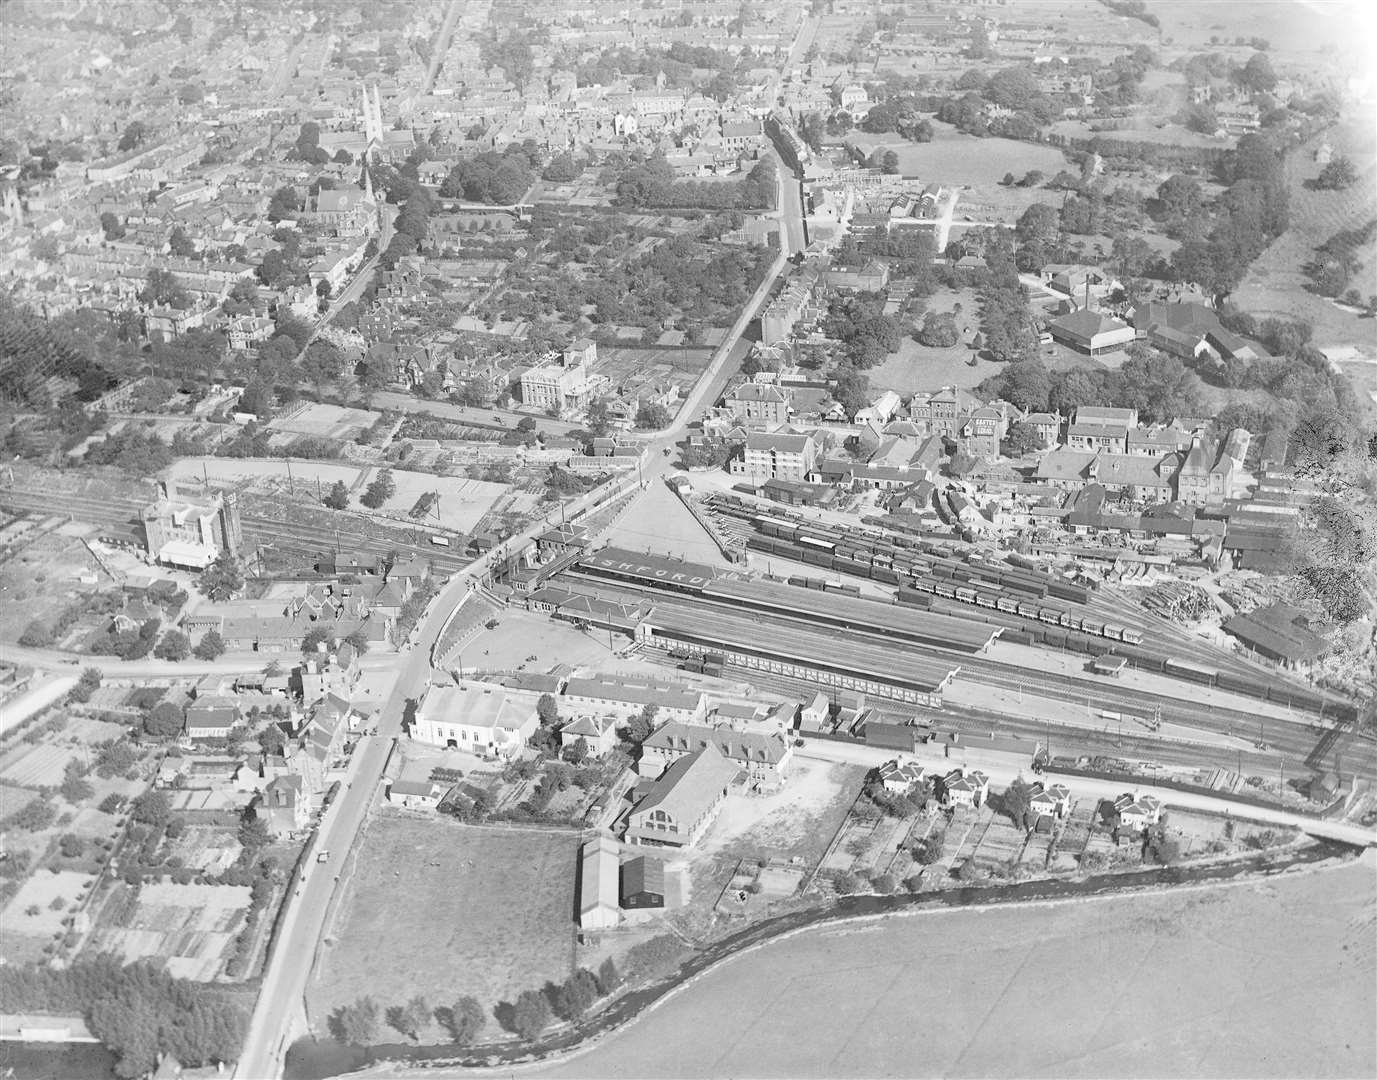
[192, 531]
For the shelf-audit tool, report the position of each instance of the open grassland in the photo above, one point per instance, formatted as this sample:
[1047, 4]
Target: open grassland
[441, 909]
[1270, 978]
[1276, 284]
[953, 158]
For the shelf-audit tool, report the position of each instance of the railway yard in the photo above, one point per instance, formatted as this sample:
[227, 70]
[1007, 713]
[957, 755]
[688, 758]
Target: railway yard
[965, 647]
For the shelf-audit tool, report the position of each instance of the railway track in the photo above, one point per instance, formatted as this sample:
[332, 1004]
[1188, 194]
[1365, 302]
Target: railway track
[1288, 740]
[280, 534]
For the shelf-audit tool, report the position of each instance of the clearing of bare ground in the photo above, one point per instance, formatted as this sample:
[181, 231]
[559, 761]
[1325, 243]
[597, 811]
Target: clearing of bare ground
[1264, 978]
[443, 909]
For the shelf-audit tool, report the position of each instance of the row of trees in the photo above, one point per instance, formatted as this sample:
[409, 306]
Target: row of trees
[359, 1023]
[492, 177]
[138, 1011]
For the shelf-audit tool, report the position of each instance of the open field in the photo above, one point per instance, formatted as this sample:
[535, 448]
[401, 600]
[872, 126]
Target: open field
[31, 920]
[325, 421]
[442, 909]
[1323, 37]
[953, 158]
[461, 505]
[917, 367]
[1276, 285]
[1221, 981]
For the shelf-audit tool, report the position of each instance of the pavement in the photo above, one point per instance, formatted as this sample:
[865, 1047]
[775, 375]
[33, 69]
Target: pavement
[44, 691]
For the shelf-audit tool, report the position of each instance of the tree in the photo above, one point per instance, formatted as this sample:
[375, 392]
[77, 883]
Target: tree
[316, 636]
[211, 646]
[151, 808]
[284, 203]
[577, 994]
[412, 1018]
[163, 289]
[322, 363]
[358, 1023]
[598, 418]
[547, 710]
[466, 1020]
[180, 244]
[609, 978]
[134, 134]
[164, 720]
[379, 491]
[639, 727]
[338, 498]
[652, 416]
[939, 330]
[1022, 439]
[1017, 800]
[75, 789]
[889, 163]
[223, 578]
[576, 753]
[1040, 223]
[1337, 175]
[111, 225]
[87, 685]
[1257, 74]
[531, 1014]
[358, 641]
[174, 646]
[929, 851]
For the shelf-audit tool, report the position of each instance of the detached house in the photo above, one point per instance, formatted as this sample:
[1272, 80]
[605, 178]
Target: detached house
[1138, 812]
[759, 402]
[961, 788]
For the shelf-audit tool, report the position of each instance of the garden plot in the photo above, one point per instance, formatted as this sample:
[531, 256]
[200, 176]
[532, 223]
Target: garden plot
[185, 926]
[208, 849]
[36, 766]
[1000, 845]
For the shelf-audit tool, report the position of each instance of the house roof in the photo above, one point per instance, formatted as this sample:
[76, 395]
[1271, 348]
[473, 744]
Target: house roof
[755, 746]
[662, 695]
[477, 705]
[1086, 324]
[427, 789]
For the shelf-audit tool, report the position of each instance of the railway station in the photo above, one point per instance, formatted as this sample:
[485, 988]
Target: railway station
[812, 656]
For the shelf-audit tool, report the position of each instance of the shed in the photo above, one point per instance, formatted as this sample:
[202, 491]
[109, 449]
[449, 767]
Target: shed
[643, 883]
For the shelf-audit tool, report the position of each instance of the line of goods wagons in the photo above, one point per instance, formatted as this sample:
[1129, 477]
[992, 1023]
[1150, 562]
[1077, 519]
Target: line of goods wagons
[940, 583]
[1012, 590]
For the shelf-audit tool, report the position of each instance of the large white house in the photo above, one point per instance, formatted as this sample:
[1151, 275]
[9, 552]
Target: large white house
[482, 718]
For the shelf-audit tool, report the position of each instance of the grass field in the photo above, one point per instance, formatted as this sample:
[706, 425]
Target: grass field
[1225, 981]
[953, 158]
[1275, 285]
[441, 909]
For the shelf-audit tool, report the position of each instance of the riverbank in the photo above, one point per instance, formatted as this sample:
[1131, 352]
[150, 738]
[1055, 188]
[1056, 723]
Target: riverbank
[311, 1061]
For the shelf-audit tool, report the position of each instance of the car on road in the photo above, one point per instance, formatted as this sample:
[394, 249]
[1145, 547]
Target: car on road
[322, 856]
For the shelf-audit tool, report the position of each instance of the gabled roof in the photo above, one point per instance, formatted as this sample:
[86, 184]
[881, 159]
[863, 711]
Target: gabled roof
[690, 785]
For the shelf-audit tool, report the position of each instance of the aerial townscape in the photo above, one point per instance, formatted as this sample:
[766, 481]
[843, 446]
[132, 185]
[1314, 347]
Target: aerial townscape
[688, 538]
